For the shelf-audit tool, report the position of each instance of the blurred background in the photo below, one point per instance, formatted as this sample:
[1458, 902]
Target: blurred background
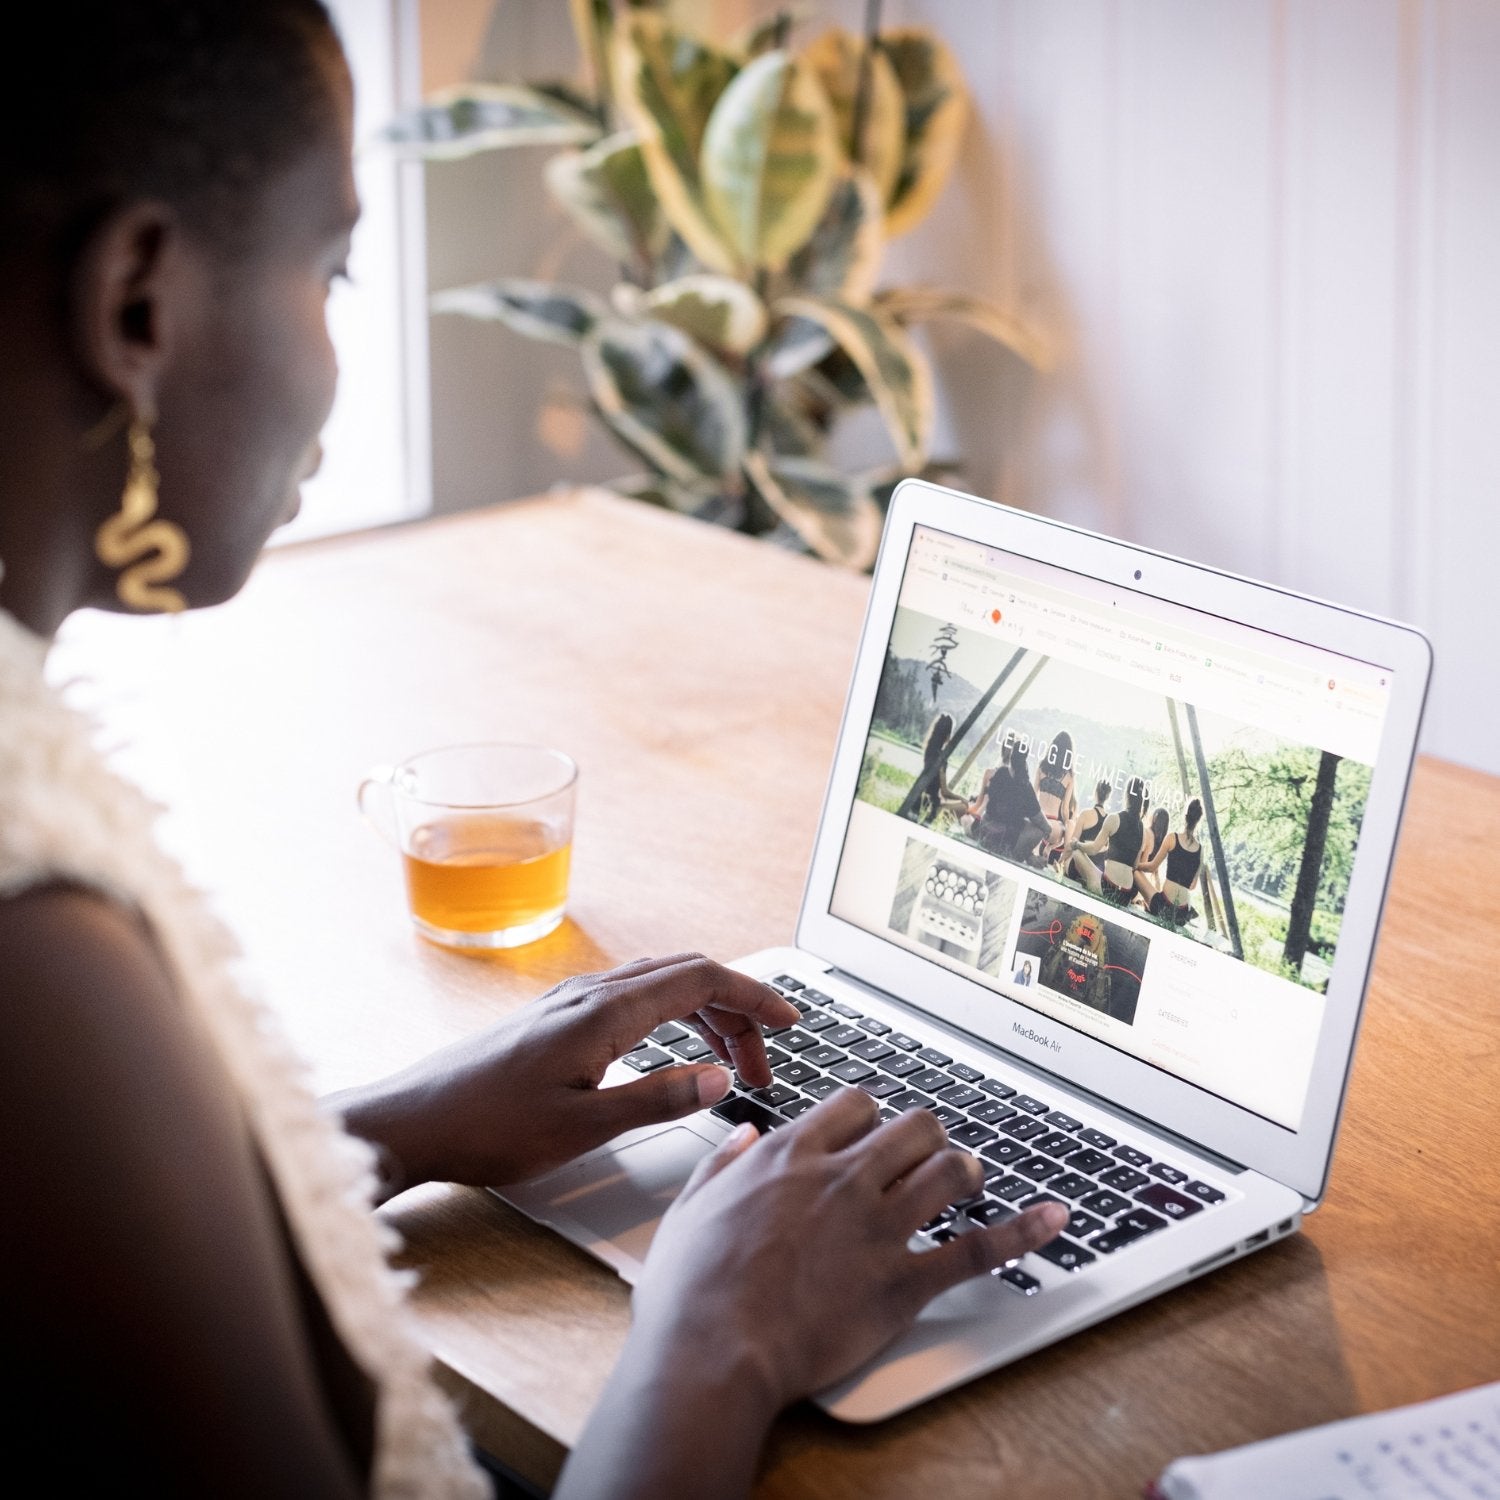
[1262, 237]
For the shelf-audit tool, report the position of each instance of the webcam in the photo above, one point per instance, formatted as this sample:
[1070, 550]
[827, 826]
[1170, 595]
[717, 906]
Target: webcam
[1137, 575]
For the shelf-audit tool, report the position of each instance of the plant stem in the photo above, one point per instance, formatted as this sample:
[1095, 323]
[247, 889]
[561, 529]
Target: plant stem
[783, 29]
[866, 72]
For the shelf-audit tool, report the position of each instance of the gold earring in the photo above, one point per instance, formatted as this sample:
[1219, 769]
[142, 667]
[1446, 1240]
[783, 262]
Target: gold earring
[151, 552]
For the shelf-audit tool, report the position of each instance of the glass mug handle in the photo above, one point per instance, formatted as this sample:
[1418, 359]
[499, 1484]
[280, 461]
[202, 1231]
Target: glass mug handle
[380, 813]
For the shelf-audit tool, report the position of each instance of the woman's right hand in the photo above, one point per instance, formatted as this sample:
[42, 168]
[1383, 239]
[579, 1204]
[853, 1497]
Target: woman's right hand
[787, 1257]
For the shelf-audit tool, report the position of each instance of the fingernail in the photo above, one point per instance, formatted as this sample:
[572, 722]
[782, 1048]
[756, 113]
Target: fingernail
[713, 1084]
[741, 1135]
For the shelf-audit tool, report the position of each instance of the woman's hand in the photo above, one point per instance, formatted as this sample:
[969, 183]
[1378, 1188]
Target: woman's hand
[782, 1266]
[523, 1096]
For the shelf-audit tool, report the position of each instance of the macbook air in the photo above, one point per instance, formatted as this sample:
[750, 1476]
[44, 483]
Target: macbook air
[1098, 880]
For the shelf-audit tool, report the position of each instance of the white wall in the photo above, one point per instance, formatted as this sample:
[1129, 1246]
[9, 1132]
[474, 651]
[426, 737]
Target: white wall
[1266, 234]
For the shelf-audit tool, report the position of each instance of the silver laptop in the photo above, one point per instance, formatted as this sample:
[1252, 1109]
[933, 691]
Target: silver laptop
[1098, 879]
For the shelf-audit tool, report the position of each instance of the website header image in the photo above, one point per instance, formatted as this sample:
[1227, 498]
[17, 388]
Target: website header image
[1214, 828]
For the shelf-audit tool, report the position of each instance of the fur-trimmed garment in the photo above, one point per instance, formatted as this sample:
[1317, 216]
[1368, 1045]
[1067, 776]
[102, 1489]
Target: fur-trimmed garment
[64, 816]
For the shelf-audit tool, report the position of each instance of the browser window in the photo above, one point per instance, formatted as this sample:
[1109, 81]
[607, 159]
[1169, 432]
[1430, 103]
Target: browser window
[1135, 818]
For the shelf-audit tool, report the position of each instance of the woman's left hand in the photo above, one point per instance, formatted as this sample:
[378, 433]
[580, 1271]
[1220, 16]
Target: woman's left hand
[523, 1095]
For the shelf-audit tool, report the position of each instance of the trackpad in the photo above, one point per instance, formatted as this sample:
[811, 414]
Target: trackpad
[617, 1199]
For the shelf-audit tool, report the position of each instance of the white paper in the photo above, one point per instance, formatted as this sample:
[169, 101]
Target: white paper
[1448, 1449]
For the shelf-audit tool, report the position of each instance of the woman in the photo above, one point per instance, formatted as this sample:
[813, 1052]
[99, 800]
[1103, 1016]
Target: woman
[935, 795]
[1120, 840]
[1146, 886]
[1085, 826]
[1055, 788]
[191, 1280]
[1184, 859]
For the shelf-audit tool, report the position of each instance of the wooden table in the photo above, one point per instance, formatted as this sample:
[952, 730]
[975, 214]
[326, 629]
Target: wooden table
[698, 679]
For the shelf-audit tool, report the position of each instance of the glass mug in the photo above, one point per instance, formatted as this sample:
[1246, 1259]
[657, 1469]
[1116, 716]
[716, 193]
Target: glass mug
[486, 837]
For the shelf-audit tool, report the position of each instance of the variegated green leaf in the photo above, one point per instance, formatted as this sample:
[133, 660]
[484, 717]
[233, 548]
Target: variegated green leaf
[668, 85]
[657, 489]
[539, 309]
[608, 195]
[769, 33]
[593, 27]
[831, 512]
[838, 58]
[717, 310]
[479, 117]
[842, 259]
[894, 369]
[669, 399]
[937, 107]
[923, 304]
[770, 160]
[796, 345]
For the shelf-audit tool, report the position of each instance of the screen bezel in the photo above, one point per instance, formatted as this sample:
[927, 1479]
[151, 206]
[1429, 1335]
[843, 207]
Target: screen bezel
[1298, 1158]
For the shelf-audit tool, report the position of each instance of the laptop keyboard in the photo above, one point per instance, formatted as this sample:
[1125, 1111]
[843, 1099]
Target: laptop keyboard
[1116, 1193]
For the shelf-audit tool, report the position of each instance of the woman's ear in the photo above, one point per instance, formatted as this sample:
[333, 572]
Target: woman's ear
[130, 295]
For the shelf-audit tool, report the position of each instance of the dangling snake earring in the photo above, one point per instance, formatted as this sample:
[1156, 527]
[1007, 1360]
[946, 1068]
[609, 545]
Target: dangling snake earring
[151, 552]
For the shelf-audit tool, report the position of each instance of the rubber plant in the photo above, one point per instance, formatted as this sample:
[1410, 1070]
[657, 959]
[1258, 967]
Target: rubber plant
[746, 191]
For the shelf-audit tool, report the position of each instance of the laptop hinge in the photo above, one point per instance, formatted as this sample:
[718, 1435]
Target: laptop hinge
[1026, 1065]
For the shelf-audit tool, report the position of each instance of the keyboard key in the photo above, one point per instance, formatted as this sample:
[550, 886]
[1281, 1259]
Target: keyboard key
[821, 1088]
[873, 1049]
[843, 1036]
[1059, 1121]
[1063, 1252]
[998, 1089]
[1003, 1153]
[1169, 1174]
[646, 1059]
[1071, 1185]
[899, 1065]
[1024, 1128]
[874, 1027]
[775, 1056]
[796, 1107]
[1010, 1188]
[802, 1006]
[904, 1042]
[938, 1220]
[991, 1111]
[1014, 1276]
[988, 1211]
[965, 1072]
[848, 1012]
[738, 1111]
[947, 1117]
[796, 1072]
[1203, 1191]
[1169, 1201]
[933, 1056]
[881, 1088]
[795, 1041]
[930, 1080]
[973, 1135]
[944, 1236]
[1131, 1156]
[1097, 1138]
[817, 997]
[691, 1048]
[1105, 1204]
[1082, 1225]
[911, 1099]
[1055, 1143]
[960, 1096]
[1126, 1179]
[883, 1114]
[667, 1033]
[853, 1070]
[992, 1173]
[1039, 1168]
[1088, 1160]
[776, 1095]
[818, 1020]
[823, 1057]
[1128, 1229]
[1030, 1105]
[788, 983]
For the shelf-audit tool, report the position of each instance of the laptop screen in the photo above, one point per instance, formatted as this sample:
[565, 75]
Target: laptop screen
[1136, 818]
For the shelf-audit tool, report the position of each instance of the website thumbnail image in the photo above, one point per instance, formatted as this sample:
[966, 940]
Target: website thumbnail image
[1182, 818]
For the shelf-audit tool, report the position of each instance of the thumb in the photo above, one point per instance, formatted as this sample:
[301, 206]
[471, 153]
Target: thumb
[729, 1149]
[667, 1095]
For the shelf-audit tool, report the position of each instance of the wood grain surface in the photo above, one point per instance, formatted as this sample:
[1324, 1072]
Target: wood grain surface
[698, 679]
